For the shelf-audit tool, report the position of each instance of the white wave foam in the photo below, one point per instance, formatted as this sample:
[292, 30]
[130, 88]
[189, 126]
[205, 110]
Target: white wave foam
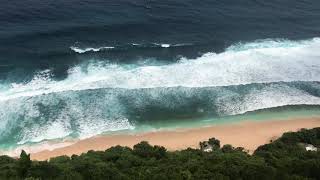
[94, 126]
[51, 130]
[84, 50]
[268, 43]
[256, 62]
[261, 63]
[60, 129]
[172, 45]
[270, 96]
[91, 49]
[89, 113]
[58, 116]
[163, 45]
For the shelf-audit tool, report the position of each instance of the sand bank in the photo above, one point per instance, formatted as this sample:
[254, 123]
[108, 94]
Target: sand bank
[247, 134]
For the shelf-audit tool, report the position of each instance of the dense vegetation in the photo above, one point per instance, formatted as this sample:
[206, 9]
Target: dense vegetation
[285, 158]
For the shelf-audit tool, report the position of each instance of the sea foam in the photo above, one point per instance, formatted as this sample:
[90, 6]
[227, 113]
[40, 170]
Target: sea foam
[266, 61]
[84, 50]
[100, 97]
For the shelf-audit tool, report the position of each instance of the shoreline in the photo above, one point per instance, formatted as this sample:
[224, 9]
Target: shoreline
[248, 134]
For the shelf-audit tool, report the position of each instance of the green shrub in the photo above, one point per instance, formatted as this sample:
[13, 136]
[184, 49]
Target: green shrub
[285, 158]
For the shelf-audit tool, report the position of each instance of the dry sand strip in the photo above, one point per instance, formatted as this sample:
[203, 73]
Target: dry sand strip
[247, 134]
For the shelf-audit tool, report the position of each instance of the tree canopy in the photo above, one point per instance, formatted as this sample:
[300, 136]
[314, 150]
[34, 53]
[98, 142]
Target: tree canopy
[284, 158]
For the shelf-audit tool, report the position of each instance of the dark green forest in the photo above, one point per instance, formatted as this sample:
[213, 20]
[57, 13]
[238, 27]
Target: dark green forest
[284, 158]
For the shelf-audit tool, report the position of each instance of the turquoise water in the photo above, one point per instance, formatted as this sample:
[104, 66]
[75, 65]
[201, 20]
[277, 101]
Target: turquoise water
[280, 113]
[285, 113]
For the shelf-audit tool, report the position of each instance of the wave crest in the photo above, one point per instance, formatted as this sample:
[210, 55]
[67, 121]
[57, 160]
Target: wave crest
[81, 51]
[87, 113]
[125, 47]
[100, 97]
[286, 62]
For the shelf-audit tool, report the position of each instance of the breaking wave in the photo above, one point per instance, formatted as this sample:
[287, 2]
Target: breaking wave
[287, 61]
[79, 50]
[124, 47]
[98, 97]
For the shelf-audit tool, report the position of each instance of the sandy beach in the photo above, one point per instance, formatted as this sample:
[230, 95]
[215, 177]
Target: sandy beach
[247, 134]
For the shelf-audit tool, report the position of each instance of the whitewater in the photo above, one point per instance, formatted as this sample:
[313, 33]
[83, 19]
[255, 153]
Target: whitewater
[255, 62]
[101, 96]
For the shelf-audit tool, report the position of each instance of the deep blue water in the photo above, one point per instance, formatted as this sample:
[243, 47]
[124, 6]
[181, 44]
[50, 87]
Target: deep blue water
[82, 67]
[37, 34]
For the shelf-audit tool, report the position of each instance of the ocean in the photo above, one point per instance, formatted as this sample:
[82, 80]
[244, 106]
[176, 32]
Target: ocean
[79, 68]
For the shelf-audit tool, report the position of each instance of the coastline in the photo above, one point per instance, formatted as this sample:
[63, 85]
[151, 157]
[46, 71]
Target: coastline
[248, 134]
